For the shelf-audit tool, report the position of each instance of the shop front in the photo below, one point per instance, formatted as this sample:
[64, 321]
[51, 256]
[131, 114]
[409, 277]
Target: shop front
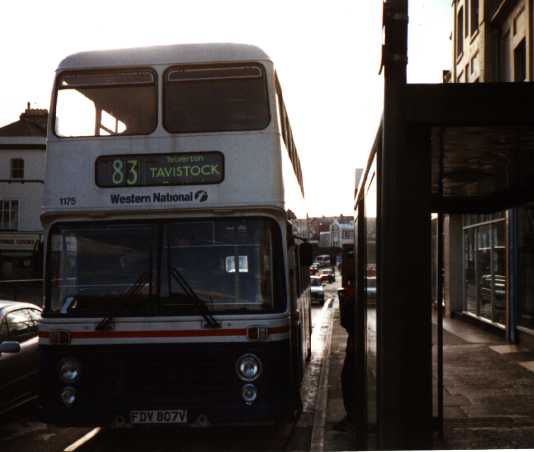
[19, 256]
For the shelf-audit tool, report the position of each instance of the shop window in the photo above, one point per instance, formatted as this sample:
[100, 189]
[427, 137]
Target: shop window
[504, 63]
[485, 279]
[17, 168]
[466, 21]
[520, 62]
[370, 294]
[474, 16]
[460, 32]
[9, 215]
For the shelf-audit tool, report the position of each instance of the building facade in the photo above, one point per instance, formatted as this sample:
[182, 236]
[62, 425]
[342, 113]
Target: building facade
[489, 258]
[492, 40]
[22, 166]
[342, 233]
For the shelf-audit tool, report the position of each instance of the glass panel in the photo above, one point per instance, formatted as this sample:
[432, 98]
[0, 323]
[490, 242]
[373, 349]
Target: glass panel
[93, 79]
[434, 258]
[14, 215]
[526, 266]
[371, 298]
[215, 98]
[483, 266]
[230, 265]
[470, 288]
[9, 215]
[188, 74]
[101, 270]
[17, 168]
[165, 268]
[499, 271]
[106, 103]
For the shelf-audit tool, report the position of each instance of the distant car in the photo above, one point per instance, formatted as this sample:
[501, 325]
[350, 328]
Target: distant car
[317, 290]
[323, 260]
[327, 275]
[314, 268]
[19, 361]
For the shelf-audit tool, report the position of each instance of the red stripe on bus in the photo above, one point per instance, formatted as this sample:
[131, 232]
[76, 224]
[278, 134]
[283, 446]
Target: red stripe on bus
[177, 333]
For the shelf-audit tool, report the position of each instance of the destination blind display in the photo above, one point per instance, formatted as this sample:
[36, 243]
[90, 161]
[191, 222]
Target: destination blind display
[160, 169]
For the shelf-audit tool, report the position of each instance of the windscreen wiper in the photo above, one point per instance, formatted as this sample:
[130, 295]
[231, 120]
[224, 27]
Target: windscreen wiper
[108, 322]
[199, 302]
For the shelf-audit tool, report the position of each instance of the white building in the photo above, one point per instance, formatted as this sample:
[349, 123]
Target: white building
[22, 166]
[341, 234]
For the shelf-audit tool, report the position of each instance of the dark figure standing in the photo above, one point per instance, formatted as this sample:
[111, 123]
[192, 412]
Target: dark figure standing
[346, 311]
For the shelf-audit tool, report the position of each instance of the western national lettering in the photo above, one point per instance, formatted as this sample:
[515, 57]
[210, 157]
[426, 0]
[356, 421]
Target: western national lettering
[150, 199]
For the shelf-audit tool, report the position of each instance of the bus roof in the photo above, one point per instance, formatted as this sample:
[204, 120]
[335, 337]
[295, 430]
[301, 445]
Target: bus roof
[171, 54]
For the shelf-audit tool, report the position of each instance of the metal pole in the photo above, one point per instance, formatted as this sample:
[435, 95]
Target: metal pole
[404, 322]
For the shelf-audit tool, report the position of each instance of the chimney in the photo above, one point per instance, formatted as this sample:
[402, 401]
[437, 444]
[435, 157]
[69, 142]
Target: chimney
[37, 116]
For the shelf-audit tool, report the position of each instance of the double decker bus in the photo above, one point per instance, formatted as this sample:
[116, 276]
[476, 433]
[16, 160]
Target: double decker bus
[176, 287]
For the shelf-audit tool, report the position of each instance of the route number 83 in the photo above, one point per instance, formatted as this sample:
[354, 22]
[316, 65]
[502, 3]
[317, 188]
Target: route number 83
[125, 172]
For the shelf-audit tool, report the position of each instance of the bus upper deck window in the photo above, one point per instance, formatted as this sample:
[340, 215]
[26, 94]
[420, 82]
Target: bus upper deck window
[215, 98]
[102, 103]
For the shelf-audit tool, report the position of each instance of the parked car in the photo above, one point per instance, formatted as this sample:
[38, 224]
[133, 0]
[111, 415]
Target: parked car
[317, 290]
[327, 275]
[19, 363]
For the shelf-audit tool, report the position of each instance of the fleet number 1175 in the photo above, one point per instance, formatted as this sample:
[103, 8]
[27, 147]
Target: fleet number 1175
[67, 201]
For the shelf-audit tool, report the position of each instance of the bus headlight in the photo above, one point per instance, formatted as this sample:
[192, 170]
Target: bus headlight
[249, 392]
[69, 370]
[248, 367]
[68, 396]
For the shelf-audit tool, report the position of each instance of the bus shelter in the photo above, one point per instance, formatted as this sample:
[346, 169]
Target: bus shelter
[440, 149]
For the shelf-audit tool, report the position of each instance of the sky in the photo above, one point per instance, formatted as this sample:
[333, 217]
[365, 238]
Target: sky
[327, 55]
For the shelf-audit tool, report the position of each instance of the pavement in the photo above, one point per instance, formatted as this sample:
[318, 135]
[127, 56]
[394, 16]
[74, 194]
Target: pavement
[488, 391]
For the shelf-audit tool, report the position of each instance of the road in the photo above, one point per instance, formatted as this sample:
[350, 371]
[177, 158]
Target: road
[21, 430]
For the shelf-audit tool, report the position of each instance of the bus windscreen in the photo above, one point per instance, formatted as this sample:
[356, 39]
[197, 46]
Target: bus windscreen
[165, 268]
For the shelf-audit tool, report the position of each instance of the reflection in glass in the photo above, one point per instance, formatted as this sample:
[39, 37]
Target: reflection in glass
[215, 98]
[98, 269]
[228, 263]
[499, 272]
[483, 266]
[470, 272]
[163, 268]
[484, 262]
